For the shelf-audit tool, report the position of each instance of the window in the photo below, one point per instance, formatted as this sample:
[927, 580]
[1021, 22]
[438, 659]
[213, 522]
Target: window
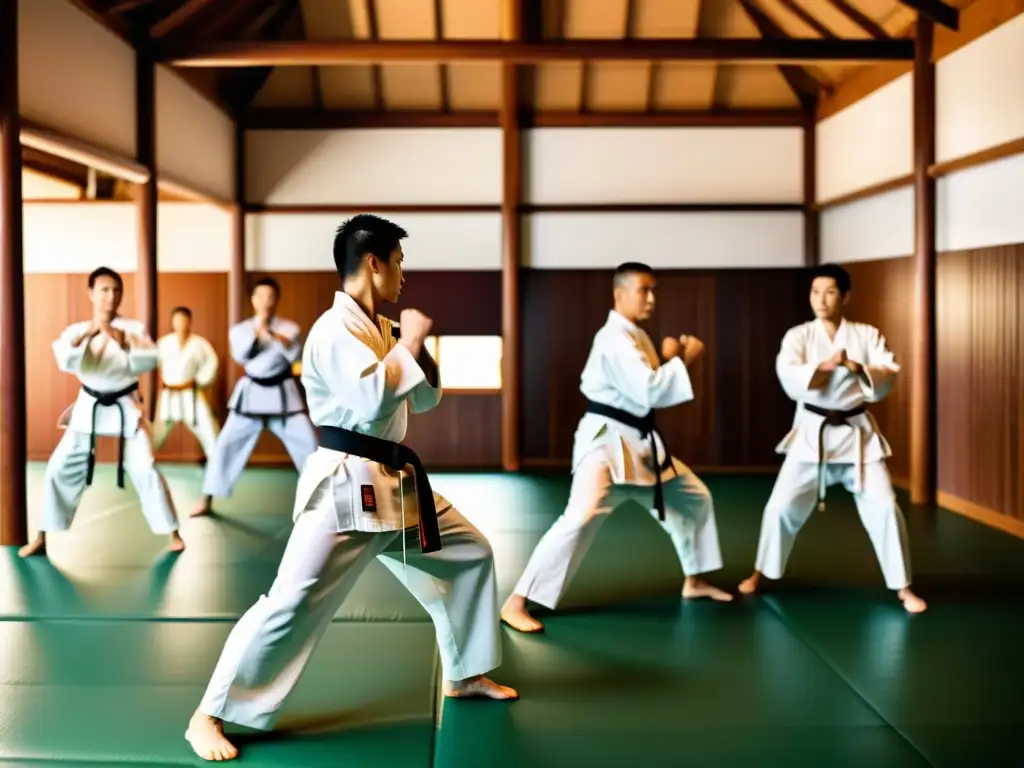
[467, 362]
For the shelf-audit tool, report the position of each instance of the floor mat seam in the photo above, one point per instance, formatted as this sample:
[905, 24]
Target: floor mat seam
[780, 613]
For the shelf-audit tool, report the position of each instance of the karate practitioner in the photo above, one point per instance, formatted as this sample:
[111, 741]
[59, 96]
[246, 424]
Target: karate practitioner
[615, 459]
[832, 368]
[107, 354]
[188, 365]
[356, 501]
[267, 397]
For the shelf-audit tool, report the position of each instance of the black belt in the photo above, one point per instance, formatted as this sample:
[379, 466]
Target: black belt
[107, 399]
[645, 424]
[396, 456]
[278, 380]
[831, 419]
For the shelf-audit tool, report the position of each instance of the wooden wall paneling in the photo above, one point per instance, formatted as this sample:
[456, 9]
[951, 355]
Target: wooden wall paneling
[754, 309]
[882, 296]
[980, 377]
[204, 294]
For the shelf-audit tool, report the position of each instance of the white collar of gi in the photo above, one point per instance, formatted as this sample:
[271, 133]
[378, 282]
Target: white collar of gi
[615, 317]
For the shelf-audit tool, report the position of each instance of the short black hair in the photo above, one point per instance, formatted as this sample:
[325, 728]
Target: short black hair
[623, 271]
[362, 235]
[268, 281]
[183, 311]
[837, 273]
[96, 274]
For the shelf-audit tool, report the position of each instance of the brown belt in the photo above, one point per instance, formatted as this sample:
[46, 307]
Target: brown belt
[188, 385]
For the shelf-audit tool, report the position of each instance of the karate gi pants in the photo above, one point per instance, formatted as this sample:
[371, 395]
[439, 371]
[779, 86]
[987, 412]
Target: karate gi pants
[270, 646]
[795, 497]
[237, 439]
[205, 426]
[65, 478]
[689, 522]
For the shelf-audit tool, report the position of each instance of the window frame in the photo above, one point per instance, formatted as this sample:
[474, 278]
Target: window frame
[433, 345]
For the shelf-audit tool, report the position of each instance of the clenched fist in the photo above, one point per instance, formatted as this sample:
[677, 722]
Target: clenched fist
[415, 326]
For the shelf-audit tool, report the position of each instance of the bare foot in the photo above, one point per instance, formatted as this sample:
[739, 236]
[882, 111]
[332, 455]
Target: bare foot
[177, 543]
[205, 734]
[478, 687]
[749, 585]
[37, 547]
[514, 614]
[912, 602]
[694, 588]
[204, 507]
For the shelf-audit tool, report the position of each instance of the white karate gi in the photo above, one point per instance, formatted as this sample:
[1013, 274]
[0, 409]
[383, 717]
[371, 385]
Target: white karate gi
[612, 464]
[855, 452]
[104, 367]
[186, 370]
[253, 407]
[357, 378]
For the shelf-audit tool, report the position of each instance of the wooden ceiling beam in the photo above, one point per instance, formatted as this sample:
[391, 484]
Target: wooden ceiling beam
[305, 53]
[863, 21]
[811, 21]
[937, 11]
[804, 86]
[285, 119]
[178, 17]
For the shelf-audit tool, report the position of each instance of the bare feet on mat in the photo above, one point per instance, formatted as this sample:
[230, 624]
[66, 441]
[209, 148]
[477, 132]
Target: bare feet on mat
[37, 547]
[205, 735]
[478, 687]
[204, 507]
[912, 602]
[177, 543]
[514, 613]
[694, 588]
[749, 585]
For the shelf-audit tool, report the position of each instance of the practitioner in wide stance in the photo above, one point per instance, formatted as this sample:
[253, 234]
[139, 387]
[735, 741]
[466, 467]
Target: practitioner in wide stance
[618, 455]
[356, 501]
[267, 397]
[188, 365]
[107, 354]
[832, 368]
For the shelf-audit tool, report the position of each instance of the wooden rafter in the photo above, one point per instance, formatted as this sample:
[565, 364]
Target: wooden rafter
[179, 17]
[376, 74]
[807, 18]
[804, 86]
[861, 20]
[937, 11]
[314, 72]
[284, 53]
[442, 67]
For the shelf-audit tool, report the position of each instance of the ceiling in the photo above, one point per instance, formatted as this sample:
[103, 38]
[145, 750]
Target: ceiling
[591, 86]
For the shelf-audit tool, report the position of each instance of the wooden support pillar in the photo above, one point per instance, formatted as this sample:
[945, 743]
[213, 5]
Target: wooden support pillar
[236, 271]
[146, 201]
[511, 226]
[13, 511]
[922, 395]
[812, 218]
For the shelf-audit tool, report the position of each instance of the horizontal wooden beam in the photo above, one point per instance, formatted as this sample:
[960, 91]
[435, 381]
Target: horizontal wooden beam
[881, 187]
[59, 144]
[284, 119]
[937, 11]
[351, 208]
[306, 53]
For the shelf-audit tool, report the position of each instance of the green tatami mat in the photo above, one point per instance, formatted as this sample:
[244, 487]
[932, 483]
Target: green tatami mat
[664, 683]
[949, 679]
[78, 692]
